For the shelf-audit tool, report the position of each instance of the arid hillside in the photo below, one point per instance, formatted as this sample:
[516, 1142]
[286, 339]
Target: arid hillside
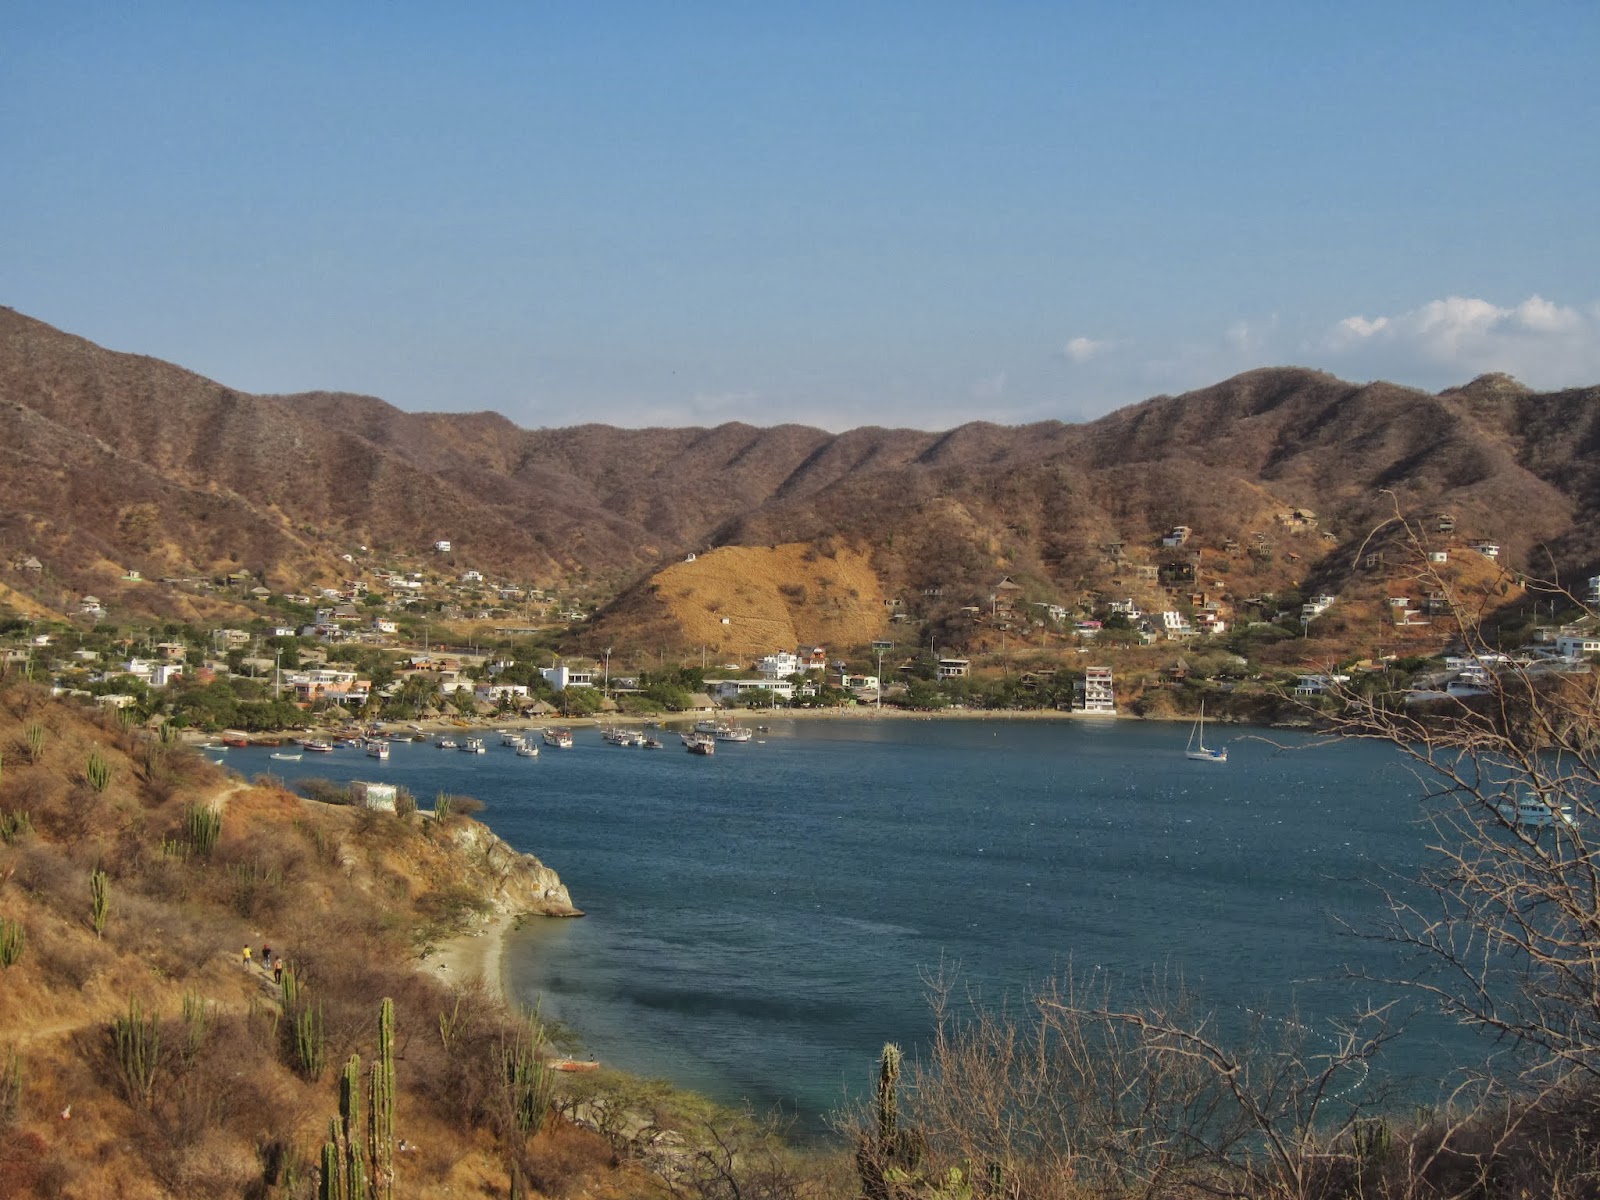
[114, 463]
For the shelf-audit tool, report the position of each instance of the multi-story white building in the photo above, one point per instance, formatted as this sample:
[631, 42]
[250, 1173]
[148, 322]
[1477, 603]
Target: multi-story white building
[1098, 696]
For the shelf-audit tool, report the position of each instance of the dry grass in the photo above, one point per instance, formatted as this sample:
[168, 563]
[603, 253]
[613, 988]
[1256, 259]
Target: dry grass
[341, 893]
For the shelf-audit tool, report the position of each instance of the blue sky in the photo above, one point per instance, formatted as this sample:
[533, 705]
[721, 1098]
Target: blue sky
[835, 214]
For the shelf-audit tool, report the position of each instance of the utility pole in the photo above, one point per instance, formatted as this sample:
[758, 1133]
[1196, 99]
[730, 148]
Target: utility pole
[880, 679]
[606, 690]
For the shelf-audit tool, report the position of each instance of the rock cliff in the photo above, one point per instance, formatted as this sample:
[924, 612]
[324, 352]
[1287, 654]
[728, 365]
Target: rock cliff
[514, 883]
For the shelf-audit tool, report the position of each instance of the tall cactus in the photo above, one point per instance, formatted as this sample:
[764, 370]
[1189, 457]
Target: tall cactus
[381, 1126]
[309, 1048]
[99, 900]
[889, 1155]
[888, 1095]
[33, 734]
[333, 1185]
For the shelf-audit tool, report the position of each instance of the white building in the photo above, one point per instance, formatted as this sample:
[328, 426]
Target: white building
[1098, 696]
[374, 795]
[561, 678]
[780, 665]
[731, 691]
[1578, 645]
[442, 546]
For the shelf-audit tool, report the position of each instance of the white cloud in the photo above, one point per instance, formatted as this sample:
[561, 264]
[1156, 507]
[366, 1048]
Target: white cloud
[1544, 344]
[1082, 349]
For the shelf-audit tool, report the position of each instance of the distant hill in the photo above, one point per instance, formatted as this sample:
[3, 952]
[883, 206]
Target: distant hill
[113, 462]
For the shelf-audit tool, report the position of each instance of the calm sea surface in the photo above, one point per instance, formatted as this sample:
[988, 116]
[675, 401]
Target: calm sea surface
[760, 921]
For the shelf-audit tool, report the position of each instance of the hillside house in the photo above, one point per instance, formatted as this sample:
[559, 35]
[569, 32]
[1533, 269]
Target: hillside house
[953, 668]
[1594, 589]
[442, 546]
[1578, 645]
[471, 577]
[561, 678]
[1438, 557]
[779, 665]
[230, 639]
[1445, 522]
[1176, 536]
[90, 606]
[1175, 625]
[1490, 550]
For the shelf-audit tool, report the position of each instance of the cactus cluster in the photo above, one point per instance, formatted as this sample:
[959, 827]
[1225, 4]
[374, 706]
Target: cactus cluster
[12, 941]
[358, 1157]
[136, 1040]
[10, 1087]
[202, 825]
[529, 1084]
[33, 736]
[14, 825]
[97, 771]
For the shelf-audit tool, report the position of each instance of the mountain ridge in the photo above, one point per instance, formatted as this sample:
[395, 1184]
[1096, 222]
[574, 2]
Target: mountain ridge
[280, 485]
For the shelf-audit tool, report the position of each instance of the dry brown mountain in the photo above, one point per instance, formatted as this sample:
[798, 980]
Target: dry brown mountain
[112, 461]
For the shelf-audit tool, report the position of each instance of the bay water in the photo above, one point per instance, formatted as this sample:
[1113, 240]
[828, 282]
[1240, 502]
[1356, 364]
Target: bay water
[761, 921]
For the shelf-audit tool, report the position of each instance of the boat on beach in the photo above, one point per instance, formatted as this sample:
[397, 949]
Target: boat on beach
[1197, 750]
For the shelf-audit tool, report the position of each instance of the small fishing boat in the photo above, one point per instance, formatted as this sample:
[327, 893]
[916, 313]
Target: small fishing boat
[527, 750]
[559, 738]
[379, 750]
[473, 745]
[317, 745]
[286, 757]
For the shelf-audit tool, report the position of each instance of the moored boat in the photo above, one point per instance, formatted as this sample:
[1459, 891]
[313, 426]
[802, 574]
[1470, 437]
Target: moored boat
[1534, 812]
[1197, 750]
[558, 737]
[317, 745]
[286, 757]
[378, 749]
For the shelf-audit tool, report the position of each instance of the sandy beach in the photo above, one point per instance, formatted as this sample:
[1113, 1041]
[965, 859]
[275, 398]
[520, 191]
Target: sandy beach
[474, 956]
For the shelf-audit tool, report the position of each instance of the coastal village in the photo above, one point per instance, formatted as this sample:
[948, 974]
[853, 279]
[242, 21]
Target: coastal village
[431, 635]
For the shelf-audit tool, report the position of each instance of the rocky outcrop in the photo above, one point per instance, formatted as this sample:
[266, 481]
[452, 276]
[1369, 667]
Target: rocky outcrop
[514, 883]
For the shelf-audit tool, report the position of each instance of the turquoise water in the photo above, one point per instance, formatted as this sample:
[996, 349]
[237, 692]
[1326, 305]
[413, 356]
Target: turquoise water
[761, 921]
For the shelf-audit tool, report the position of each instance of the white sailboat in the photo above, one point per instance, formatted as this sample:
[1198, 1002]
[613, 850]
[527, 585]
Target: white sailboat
[1197, 749]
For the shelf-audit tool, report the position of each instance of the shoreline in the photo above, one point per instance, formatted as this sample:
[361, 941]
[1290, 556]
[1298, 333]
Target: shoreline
[445, 725]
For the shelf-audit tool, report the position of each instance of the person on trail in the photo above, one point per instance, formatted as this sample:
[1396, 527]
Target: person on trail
[247, 956]
[277, 970]
[266, 956]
